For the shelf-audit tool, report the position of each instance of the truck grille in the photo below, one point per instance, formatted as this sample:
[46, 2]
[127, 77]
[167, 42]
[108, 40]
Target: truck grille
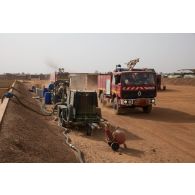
[134, 94]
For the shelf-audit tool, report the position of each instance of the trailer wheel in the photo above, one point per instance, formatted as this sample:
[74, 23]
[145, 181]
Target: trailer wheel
[147, 109]
[89, 130]
[116, 107]
[115, 146]
[99, 113]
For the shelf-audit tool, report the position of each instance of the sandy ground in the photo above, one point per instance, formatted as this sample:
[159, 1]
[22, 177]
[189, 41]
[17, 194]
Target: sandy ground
[179, 81]
[165, 135]
[26, 136]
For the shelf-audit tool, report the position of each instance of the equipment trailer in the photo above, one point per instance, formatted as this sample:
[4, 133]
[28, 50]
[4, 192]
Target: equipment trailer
[80, 109]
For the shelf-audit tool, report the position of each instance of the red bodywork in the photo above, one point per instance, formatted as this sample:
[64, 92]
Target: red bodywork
[102, 81]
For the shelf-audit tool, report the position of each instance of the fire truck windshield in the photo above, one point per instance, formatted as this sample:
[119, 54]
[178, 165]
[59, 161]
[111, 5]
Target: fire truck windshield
[138, 78]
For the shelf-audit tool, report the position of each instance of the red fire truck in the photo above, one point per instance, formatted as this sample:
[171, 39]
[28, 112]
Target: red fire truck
[128, 88]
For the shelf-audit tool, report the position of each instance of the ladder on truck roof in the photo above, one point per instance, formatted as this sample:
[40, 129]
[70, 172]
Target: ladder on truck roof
[131, 64]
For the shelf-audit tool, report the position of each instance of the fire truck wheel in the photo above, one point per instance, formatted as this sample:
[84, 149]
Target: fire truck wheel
[116, 107]
[115, 146]
[164, 88]
[147, 109]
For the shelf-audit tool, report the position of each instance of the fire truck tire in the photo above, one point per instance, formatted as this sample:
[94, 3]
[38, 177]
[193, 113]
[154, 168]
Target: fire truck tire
[116, 107]
[147, 109]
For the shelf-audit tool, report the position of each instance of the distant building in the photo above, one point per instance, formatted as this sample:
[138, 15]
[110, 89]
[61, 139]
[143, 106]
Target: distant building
[23, 76]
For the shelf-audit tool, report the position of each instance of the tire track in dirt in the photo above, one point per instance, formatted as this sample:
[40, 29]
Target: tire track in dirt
[173, 135]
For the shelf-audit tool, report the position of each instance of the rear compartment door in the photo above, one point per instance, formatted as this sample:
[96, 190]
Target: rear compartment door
[108, 87]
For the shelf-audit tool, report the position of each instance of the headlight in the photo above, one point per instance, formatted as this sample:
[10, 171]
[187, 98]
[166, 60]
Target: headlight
[125, 102]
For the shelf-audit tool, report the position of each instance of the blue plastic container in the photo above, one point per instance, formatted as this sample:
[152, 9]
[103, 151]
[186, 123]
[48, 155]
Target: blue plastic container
[47, 98]
[51, 87]
[44, 91]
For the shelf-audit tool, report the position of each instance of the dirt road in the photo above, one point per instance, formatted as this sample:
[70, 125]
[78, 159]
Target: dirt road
[165, 135]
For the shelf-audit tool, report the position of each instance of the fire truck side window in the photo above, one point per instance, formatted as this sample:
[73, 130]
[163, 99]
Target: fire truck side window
[117, 79]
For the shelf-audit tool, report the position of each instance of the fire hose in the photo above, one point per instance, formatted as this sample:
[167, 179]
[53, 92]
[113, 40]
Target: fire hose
[11, 95]
[43, 110]
[73, 147]
[78, 152]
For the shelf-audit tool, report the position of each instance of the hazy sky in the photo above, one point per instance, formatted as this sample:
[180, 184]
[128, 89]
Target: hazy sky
[36, 53]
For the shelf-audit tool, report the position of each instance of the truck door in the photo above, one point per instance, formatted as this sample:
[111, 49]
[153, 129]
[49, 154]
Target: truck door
[116, 84]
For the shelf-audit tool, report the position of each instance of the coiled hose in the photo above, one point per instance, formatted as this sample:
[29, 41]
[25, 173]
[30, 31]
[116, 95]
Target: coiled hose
[43, 110]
